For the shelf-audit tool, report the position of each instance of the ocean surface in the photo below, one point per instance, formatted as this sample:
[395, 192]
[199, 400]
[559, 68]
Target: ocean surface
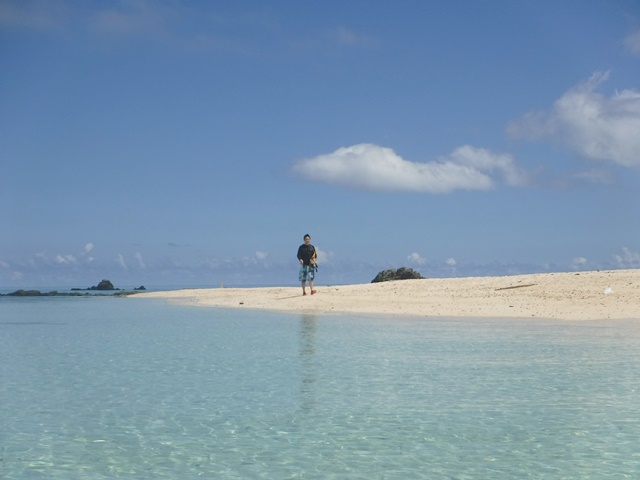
[102, 388]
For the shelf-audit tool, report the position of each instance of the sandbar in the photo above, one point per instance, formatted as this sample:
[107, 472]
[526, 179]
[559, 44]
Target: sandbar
[595, 295]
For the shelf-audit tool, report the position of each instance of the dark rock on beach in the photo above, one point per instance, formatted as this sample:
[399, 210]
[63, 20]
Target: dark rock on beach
[402, 273]
[140, 288]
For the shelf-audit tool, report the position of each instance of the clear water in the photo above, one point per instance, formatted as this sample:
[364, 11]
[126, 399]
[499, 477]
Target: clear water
[97, 388]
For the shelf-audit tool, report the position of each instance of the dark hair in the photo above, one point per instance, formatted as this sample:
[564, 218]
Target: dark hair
[305, 236]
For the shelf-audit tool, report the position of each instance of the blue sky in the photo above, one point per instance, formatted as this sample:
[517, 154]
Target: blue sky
[174, 143]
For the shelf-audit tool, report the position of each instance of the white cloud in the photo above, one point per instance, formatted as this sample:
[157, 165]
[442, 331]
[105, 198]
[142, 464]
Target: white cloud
[579, 262]
[373, 167]
[484, 160]
[632, 42]
[594, 126]
[120, 261]
[88, 247]
[323, 257]
[451, 262]
[596, 176]
[64, 259]
[138, 257]
[416, 258]
[259, 258]
[628, 259]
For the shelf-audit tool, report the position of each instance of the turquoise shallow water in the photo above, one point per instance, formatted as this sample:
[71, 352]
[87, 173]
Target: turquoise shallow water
[97, 388]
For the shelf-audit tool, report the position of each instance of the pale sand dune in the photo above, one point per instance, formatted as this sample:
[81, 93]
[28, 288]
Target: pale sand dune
[568, 296]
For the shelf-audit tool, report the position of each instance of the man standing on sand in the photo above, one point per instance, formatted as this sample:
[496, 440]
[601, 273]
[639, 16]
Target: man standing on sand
[307, 257]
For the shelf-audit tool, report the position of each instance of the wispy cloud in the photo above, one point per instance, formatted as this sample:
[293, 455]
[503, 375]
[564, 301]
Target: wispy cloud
[587, 122]
[348, 37]
[38, 15]
[123, 18]
[417, 259]
[632, 43]
[627, 259]
[162, 22]
[139, 259]
[595, 176]
[121, 261]
[140, 18]
[324, 256]
[39, 258]
[64, 259]
[372, 167]
[579, 262]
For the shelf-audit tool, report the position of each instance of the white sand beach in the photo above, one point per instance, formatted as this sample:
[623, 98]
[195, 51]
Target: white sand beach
[613, 294]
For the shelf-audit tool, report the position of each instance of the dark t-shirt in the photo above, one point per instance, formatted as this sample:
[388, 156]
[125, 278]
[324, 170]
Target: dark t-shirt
[305, 253]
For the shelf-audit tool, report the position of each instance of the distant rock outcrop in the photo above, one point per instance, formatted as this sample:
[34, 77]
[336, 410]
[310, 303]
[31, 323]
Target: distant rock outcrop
[25, 293]
[103, 285]
[38, 293]
[402, 273]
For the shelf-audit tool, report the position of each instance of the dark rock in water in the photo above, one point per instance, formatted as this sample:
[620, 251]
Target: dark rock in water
[141, 287]
[38, 293]
[54, 293]
[25, 293]
[402, 273]
[104, 285]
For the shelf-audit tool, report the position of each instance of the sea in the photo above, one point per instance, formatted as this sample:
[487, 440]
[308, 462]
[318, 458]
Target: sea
[134, 388]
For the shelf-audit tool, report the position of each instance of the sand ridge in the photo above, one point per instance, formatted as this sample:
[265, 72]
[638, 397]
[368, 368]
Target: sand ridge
[611, 294]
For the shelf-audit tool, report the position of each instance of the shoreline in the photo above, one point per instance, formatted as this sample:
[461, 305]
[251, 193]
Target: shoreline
[595, 295]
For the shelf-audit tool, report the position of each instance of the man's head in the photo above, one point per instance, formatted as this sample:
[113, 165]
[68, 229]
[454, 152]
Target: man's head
[307, 239]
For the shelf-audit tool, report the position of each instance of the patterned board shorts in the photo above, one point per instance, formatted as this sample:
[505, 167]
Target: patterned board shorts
[307, 273]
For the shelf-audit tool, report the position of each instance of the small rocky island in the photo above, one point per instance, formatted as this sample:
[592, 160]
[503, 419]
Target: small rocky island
[402, 273]
[104, 285]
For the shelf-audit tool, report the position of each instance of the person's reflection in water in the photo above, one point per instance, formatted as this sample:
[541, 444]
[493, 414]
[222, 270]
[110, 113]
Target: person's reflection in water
[307, 361]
